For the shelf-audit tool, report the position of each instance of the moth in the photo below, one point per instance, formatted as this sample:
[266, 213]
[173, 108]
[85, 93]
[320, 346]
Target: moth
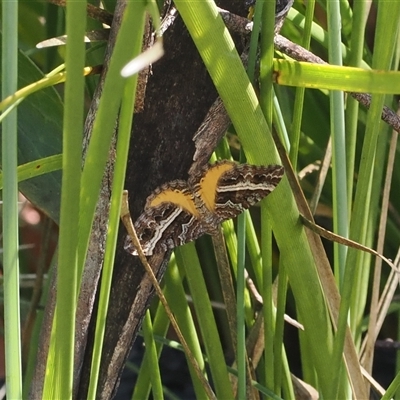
[181, 211]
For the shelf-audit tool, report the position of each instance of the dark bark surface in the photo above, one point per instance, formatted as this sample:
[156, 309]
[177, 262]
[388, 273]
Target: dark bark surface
[178, 96]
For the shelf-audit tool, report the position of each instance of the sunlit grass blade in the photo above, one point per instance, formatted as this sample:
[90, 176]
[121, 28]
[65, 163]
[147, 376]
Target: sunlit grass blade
[50, 80]
[62, 344]
[350, 79]
[12, 331]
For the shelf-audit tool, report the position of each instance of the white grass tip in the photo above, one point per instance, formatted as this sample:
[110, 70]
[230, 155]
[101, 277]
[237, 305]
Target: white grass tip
[143, 60]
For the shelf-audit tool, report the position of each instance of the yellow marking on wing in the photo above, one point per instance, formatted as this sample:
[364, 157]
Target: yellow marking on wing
[180, 198]
[208, 184]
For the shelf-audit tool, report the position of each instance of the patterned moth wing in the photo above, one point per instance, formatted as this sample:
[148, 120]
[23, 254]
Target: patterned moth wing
[242, 186]
[170, 219]
[179, 212]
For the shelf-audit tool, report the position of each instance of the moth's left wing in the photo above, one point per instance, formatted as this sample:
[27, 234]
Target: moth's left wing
[164, 227]
[170, 219]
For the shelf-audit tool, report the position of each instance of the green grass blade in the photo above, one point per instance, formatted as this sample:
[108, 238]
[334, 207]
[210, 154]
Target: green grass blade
[268, 309]
[37, 168]
[282, 371]
[64, 338]
[388, 15]
[152, 359]
[339, 190]
[186, 258]
[12, 333]
[352, 107]
[103, 128]
[124, 133]
[299, 100]
[393, 388]
[240, 314]
[333, 77]
[30, 89]
[254, 40]
[339, 182]
[176, 296]
[267, 105]
[232, 247]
